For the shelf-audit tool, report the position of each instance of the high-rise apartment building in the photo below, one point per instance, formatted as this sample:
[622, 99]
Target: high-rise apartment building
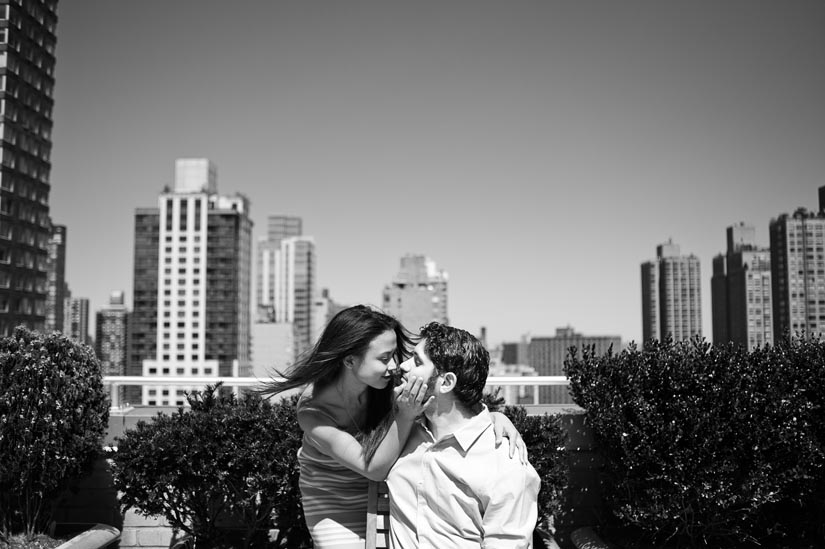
[287, 279]
[547, 354]
[798, 272]
[279, 227]
[418, 294]
[671, 295]
[110, 335]
[76, 321]
[58, 290]
[192, 273]
[295, 283]
[741, 291]
[27, 62]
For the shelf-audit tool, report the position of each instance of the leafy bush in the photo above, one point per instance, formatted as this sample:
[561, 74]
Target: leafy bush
[53, 414]
[545, 440]
[225, 461]
[705, 444]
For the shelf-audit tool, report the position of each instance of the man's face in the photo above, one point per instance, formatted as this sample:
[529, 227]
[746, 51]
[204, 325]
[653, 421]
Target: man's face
[420, 365]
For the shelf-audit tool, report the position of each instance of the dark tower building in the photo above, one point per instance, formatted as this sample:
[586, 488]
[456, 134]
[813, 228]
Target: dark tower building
[58, 289]
[27, 62]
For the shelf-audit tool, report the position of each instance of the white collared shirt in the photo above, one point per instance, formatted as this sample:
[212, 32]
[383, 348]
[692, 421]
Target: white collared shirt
[461, 491]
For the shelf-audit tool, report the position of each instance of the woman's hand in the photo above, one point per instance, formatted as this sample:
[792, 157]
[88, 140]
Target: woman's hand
[504, 428]
[411, 398]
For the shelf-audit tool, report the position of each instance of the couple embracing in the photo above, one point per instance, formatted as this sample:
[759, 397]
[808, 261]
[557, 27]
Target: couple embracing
[379, 406]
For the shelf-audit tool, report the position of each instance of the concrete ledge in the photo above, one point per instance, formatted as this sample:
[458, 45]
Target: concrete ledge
[100, 535]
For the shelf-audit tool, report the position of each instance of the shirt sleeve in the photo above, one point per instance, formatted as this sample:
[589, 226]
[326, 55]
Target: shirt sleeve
[511, 511]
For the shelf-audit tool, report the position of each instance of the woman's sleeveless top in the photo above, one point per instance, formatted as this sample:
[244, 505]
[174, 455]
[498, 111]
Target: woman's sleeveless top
[334, 498]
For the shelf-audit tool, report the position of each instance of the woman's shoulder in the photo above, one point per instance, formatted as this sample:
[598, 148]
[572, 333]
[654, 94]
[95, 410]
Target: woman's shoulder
[315, 403]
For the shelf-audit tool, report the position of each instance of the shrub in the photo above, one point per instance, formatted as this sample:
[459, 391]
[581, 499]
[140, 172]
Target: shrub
[545, 440]
[703, 443]
[53, 414]
[223, 462]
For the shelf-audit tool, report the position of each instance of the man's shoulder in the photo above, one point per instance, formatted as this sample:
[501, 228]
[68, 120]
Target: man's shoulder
[499, 456]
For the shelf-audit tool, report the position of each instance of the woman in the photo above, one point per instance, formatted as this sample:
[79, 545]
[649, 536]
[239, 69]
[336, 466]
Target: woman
[355, 420]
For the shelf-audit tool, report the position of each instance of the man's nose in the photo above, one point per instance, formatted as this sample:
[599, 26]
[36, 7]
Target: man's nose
[406, 366]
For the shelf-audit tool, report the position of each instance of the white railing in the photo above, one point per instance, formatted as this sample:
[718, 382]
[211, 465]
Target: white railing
[115, 382]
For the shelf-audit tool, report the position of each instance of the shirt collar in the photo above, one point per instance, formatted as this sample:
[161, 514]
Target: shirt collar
[469, 433]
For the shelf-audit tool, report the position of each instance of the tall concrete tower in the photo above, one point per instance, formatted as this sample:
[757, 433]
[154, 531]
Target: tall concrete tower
[279, 227]
[741, 291]
[671, 295]
[191, 283]
[798, 272]
[111, 335]
[58, 290]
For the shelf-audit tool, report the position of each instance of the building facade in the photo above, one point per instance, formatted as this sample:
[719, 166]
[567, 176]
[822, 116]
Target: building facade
[741, 291]
[798, 272]
[191, 284]
[58, 290]
[111, 336]
[287, 278]
[547, 354]
[279, 227]
[76, 320]
[418, 294]
[671, 295]
[295, 285]
[27, 63]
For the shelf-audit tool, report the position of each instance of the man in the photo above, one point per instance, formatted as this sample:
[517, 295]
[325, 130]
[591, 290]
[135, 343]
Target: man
[451, 486]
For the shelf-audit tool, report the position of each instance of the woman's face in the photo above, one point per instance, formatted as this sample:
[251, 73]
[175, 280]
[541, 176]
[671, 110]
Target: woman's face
[375, 366]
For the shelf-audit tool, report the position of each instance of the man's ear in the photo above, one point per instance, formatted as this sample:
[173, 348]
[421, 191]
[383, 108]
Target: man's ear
[448, 382]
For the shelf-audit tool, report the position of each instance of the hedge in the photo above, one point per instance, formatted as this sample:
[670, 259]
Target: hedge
[224, 471]
[709, 445]
[53, 414]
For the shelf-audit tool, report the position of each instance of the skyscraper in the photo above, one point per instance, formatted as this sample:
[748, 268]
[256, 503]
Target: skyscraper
[58, 290]
[798, 272]
[671, 295]
[547, 354]
[76, 321]
[279, 227]
[418, 293]
[287, 279]
[191, 283]
[741, 291]
[27, 62]
[110, 336]
[295, 284]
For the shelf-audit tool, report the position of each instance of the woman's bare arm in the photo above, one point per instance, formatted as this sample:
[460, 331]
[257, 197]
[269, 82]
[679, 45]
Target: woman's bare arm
[345, 448]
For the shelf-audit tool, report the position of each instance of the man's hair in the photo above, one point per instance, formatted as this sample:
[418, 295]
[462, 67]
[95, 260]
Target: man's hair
[457, 351]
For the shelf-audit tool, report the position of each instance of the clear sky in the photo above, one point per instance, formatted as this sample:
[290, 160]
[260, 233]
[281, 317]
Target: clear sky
[537, 151]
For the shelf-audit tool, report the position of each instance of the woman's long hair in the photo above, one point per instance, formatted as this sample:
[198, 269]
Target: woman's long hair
[350, 332]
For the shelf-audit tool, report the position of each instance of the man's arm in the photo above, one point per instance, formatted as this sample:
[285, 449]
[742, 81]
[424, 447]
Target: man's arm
[511, 510]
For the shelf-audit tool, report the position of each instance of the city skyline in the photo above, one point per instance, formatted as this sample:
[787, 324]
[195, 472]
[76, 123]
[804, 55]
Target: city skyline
[538, 153]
